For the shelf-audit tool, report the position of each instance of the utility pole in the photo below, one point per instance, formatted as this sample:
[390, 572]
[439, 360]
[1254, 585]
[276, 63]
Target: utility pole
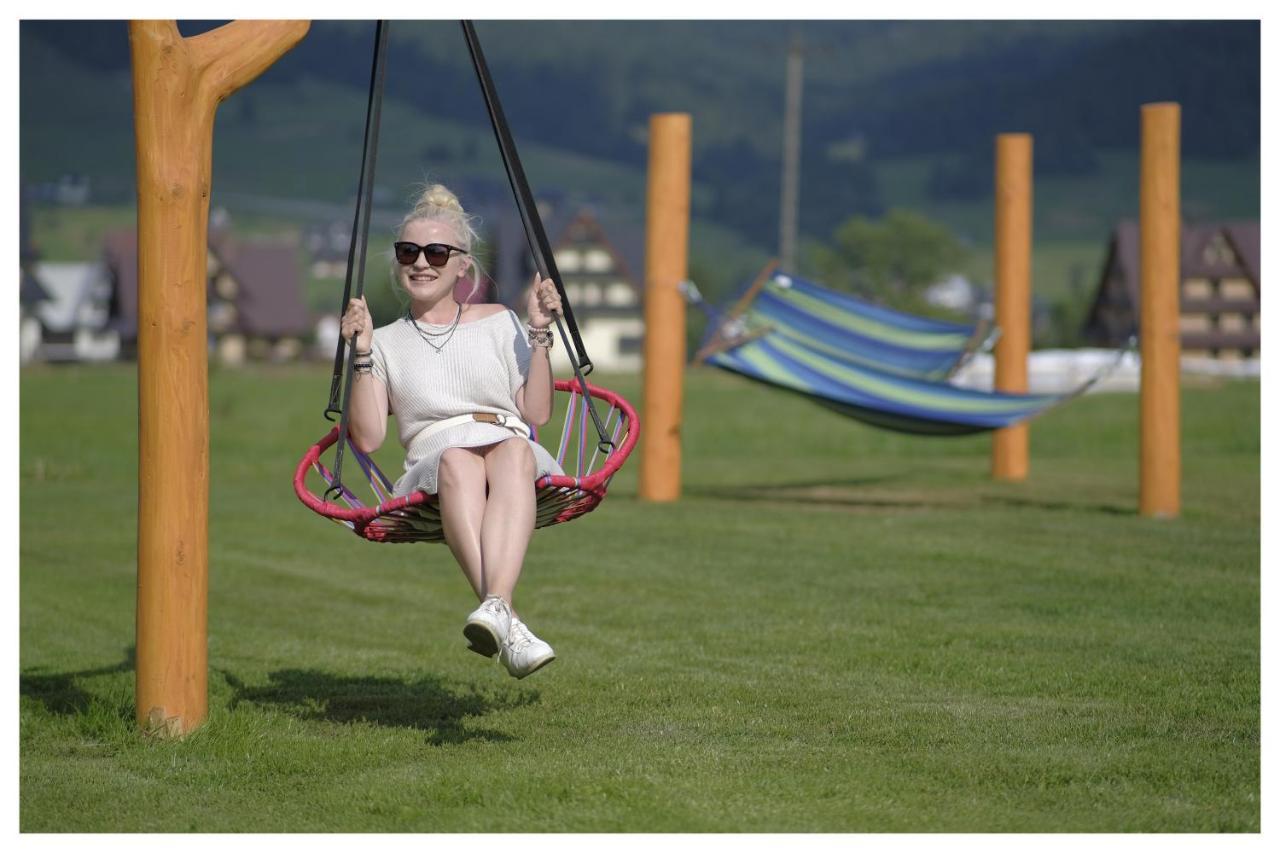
[791, 153]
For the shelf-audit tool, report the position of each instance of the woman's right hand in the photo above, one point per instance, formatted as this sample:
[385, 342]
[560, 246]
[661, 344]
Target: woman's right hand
[357, 321]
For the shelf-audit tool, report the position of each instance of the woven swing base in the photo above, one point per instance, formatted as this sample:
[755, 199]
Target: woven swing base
[416, 517]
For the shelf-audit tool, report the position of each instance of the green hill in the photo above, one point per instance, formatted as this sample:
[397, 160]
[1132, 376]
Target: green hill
[897, 114]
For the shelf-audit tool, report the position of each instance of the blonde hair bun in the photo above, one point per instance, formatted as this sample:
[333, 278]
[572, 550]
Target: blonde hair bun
[438, 204]
[435, 198]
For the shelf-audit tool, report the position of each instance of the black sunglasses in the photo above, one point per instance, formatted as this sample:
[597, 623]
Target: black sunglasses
[437, 253]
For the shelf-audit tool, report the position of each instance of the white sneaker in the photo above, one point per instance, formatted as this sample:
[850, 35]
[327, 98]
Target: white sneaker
[487, 626]
[523, 653]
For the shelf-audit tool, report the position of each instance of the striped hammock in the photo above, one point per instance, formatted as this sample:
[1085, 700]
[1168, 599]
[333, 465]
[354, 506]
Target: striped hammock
[846, 328]
[881, 366]
[380, 516]
[880, 398]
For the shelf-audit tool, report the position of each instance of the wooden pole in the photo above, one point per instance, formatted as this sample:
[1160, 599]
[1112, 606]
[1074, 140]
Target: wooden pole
[1009, 446]
[177, 85]
[666, 265]
[1160, 265]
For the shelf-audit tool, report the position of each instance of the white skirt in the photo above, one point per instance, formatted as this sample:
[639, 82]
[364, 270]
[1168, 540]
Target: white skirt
[421, 474]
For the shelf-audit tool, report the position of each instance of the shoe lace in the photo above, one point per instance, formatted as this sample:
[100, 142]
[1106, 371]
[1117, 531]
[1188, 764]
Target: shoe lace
[518, 637]
[493, 604]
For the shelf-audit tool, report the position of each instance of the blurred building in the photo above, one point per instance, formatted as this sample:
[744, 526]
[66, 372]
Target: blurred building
[255, 302]
[600, 261]
[328, 244]
[72, 318]
[30, 292]
[1220, 290]
[30, 295]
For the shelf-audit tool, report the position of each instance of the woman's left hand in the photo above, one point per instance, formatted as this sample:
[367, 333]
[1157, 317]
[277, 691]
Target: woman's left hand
[544, 302]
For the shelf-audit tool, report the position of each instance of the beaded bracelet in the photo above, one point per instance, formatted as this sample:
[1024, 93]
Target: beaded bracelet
[541, 337]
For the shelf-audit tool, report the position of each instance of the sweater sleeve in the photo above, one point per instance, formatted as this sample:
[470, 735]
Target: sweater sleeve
[379, 360]
[518, 353]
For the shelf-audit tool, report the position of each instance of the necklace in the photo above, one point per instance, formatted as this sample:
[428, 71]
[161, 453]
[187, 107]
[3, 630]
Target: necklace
[447, 334]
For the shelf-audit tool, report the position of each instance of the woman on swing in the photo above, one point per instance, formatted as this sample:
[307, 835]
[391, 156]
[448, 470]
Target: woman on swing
[464, 381]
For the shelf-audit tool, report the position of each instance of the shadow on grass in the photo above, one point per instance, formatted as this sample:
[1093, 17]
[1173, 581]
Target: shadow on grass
[851, 495]
[1059, 505]
[840, 494]
[426, 703]
[60, 692]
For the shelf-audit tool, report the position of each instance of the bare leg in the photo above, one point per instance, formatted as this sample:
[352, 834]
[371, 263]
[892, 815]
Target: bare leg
[508, 515]
[460, 489]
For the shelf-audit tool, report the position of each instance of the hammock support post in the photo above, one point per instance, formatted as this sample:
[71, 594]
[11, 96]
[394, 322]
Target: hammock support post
[1160, 461]
[666, 265]
[177, 85]
[1009, 446]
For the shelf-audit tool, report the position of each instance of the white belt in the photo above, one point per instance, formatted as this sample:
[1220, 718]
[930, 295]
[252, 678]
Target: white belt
[514, 424]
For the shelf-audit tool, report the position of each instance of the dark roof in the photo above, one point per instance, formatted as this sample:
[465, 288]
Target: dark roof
[508, 251]
[120, 249]
[1124, 258]
[31, 291]
[269, 301]
[1244, 238]
[624, 241]
[511, 258]
[627, 239]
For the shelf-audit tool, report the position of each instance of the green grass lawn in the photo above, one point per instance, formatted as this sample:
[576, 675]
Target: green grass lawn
[835, 629]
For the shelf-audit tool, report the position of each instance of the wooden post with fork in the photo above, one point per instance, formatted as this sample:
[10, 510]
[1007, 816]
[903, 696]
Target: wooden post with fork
[177, 85]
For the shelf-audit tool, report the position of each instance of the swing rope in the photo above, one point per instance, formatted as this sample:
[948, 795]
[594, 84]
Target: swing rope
[538, 245]
[360, 243]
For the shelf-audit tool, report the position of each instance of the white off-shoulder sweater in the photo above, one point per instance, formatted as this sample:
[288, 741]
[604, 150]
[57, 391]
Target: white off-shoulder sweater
[478, 369]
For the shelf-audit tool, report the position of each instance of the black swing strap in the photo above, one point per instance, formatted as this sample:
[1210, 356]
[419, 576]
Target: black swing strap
[538, 245]
[536, 234]
[358, 250]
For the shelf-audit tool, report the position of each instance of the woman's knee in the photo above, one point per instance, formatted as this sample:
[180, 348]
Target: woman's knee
[458, 465]
[515, 457]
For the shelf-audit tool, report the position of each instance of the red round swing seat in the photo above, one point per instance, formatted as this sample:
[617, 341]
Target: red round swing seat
[416, 517]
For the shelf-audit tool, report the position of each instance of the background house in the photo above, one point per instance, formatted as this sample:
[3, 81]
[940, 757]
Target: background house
[30, 292]
[1220, 290]
[63, 306]
[600, 260]
[73, 316]
[256, 307]
[30, 295]
[255, 302]
[120, 255]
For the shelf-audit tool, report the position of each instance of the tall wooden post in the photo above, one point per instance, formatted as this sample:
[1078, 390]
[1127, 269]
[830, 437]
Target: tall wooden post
[177, 85]
[1160, 265]
[666, 265]
[1009, 446]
